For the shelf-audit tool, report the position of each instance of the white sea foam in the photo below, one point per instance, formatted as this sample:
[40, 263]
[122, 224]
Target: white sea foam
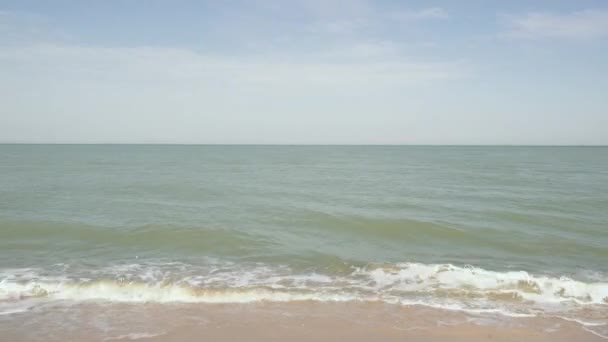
[12, 310]
[473, 281]
[581, 322]
[600, 335]
[157, 293]
[471, 289]
[132, 336]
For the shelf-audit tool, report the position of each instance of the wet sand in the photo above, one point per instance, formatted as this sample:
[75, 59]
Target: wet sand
[302, 321]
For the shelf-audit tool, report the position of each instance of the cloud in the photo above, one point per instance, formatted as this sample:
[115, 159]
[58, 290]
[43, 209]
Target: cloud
[422, 14]
[5, 17]
[335, 8]
[347, 84]
[90, 93]
[586, 24]
[135, 64]
[342, 26]
[373, 18]
[347, 61]
[17, 27]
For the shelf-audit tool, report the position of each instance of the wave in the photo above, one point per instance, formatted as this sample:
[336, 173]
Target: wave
[473, 281]
[113, 291]
[233, 283]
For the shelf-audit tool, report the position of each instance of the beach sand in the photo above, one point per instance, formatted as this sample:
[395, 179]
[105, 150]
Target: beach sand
[299, 321]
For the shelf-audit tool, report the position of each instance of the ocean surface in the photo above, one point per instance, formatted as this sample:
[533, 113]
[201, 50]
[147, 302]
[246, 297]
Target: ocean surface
[519, 231]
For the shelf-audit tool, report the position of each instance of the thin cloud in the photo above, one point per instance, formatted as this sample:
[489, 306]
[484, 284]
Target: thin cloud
[421, 14]
[342, 26]
[18, 27]
[171, 64]
[368, 20]
[354, 61]
[586, 24]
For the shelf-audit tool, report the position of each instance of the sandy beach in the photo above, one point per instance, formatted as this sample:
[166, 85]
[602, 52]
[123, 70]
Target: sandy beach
[304, 321]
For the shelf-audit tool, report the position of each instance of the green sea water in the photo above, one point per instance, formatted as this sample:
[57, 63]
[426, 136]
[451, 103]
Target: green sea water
[424, 224]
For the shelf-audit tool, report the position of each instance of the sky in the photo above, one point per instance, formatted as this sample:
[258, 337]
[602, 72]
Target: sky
[304, 72]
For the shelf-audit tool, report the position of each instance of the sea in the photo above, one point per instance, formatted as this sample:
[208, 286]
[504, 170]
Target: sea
[496, 231]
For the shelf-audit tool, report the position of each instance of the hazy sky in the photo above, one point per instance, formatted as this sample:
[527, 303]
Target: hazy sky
[305, 71]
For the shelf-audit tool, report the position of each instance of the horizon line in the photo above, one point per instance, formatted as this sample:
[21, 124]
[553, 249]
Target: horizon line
[302, 144]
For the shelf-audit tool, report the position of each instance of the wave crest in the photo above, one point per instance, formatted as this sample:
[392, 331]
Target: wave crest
[442, 285]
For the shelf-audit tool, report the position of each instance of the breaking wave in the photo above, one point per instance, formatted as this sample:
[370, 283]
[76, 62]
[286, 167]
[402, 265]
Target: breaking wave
[402, 283]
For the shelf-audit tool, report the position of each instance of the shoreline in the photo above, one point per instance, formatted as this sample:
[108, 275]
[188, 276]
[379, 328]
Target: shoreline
[295, 321]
